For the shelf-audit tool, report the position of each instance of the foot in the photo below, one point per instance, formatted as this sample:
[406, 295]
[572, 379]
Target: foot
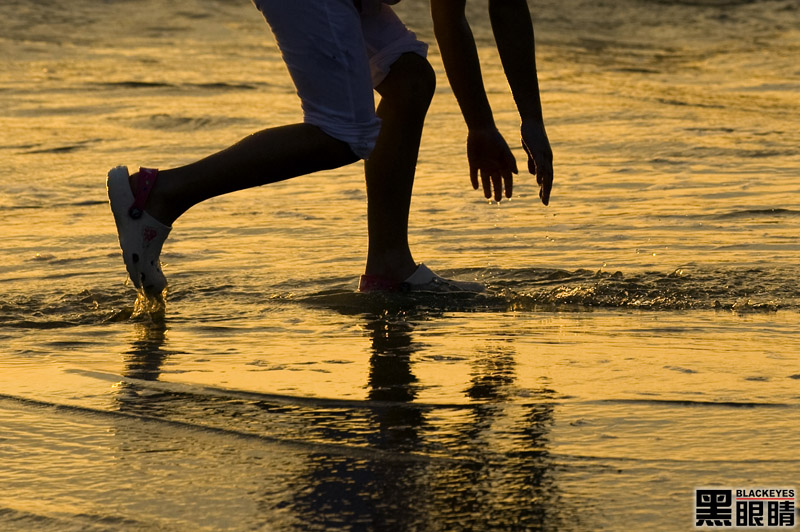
[391, 263]
[141, 236]
[157, 204]
[423, 280]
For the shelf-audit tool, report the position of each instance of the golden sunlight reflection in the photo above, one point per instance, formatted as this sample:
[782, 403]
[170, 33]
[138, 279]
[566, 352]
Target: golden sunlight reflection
[638, 337]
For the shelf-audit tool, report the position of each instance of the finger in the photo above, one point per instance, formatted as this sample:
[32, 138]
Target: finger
[531, 161]
[497, 181]
[544, 191]
[509, 184]
[487, 184]
[510, 162]
[473, 176]
[544, 177]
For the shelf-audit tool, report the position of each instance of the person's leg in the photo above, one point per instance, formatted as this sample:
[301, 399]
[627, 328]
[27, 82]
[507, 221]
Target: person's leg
[324, 50]
[265, 157]
[405, 81]
[406, 93]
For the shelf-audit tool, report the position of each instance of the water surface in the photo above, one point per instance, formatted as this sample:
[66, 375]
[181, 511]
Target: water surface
[638, 338]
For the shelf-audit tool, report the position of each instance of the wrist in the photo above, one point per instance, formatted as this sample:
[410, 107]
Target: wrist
[533, 116]
[480, 121]
[481, 127]
[532, 124]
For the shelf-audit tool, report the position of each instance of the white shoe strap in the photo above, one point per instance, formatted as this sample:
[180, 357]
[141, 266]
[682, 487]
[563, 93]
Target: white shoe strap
[422, 275]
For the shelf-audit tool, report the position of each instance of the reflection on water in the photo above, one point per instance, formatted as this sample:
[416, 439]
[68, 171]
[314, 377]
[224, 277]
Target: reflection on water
[390, 375]
[656, 294]
[145, 357]
[479, 465]
[427, 420]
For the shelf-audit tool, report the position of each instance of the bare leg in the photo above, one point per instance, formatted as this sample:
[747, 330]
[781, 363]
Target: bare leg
[265, 157]
[284, 152]
[406, 94]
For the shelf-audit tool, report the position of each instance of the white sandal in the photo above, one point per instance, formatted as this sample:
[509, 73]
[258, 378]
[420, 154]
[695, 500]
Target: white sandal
[422, 280]
[140, 235]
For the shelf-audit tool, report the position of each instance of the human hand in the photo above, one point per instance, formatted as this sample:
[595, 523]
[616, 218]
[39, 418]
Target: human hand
[540, 157]
[490, 157]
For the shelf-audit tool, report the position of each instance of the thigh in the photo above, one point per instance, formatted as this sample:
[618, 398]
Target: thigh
[386, 38]
[323, 46]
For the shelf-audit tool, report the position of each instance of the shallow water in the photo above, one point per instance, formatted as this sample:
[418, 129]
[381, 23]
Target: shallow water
[638, 338]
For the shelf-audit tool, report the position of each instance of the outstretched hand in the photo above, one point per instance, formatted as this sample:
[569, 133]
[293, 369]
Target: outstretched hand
[540, 157]
[490, 158]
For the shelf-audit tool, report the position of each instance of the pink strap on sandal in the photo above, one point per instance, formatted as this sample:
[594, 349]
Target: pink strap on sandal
[144, 185]
[373, 283]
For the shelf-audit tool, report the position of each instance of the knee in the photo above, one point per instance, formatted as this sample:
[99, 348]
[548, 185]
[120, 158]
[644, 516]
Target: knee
[411, 79]
[421, 81]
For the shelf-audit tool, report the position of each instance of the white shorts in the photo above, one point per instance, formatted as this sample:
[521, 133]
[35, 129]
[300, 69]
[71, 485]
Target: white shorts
[336, 55]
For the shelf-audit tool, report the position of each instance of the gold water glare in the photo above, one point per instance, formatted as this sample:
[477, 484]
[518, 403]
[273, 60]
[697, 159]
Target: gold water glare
[639, 337]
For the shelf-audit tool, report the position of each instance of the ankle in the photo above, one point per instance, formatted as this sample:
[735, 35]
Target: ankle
[156, 205]
[393, 265]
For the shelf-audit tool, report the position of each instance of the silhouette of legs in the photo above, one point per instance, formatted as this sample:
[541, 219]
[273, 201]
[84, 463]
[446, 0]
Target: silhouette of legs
[406, 94]
[271, 155]
[334, 56]
[280, 153]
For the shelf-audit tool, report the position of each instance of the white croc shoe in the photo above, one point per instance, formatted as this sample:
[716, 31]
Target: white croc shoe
[140, 235]
[423, 280]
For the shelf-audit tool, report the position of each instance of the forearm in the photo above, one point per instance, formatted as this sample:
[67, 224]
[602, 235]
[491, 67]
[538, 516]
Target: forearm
[513, 32]
[460, 58]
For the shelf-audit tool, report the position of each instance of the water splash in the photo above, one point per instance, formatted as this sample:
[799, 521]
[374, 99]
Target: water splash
[532, 289]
